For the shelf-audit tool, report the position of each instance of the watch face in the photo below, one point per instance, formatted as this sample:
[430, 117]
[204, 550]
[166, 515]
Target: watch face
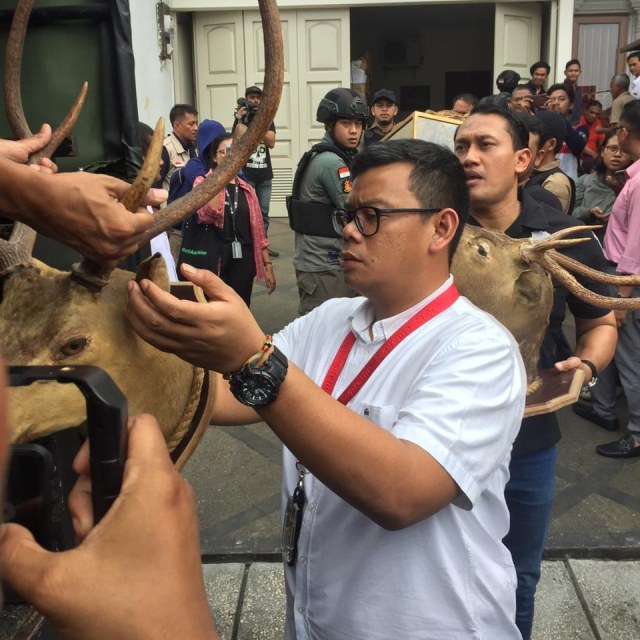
[257, 390]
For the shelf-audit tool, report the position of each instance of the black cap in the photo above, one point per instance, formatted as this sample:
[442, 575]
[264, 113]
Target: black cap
[507, 80]
[384, 94]
[253, 89]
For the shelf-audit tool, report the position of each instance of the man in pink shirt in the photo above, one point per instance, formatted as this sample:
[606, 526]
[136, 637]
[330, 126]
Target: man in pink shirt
[622, 249]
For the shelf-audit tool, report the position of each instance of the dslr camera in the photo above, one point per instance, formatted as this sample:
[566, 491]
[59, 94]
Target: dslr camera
[251, 109]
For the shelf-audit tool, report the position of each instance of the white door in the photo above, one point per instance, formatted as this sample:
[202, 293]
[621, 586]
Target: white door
[324, 59]
[220, 65]
[285, 153]
[230, 56]
[517, 37]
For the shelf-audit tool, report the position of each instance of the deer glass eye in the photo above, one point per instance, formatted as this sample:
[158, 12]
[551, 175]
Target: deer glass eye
[483, 250]
[74, 346]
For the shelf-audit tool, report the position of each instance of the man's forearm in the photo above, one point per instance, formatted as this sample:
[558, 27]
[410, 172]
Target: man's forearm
[596, 340]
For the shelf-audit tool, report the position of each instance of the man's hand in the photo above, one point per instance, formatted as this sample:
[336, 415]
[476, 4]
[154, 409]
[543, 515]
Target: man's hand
[219, 335]
[137, 574]
[82, 210]
[20, 150]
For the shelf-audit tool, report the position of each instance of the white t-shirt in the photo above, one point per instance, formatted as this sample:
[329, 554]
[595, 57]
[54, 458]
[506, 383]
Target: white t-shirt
[634, 89]
[456, 388]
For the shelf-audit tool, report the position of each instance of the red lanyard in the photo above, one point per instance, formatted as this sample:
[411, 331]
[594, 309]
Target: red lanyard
[430, 310]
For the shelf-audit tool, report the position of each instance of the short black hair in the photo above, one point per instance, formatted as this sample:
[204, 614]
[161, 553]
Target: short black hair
[469, 98]
[541, 64]
[630, 116]
[633, 54]
[594, 103]
[516, 129]
[522, 86]
[179, 111]
[437, 179]
[571, 62]
[561, 86]
[532, 123]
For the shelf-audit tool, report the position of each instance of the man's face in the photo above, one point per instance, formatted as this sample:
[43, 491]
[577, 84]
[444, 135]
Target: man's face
[186, 128]
[634, 65]
[521, 100]
[384, 112]
[572, 73]
[347, 133]
[462, 107]
[254, 98]
[592, 114]
[539, 76]
[378, 265]
[559, 102]
[492, 166]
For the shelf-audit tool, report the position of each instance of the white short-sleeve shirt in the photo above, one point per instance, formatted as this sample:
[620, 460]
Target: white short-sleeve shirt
[456, 388]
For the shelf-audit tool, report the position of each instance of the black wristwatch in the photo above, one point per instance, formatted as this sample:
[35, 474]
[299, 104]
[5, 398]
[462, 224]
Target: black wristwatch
[259, 386]
[594, 375]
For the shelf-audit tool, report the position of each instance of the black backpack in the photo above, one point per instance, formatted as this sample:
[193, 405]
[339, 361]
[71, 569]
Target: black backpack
[312, 218]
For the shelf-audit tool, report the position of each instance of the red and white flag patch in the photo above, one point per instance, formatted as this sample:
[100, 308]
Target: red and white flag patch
[343, 173]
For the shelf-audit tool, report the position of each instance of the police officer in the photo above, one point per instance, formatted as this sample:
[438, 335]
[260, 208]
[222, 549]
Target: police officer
[322, 183]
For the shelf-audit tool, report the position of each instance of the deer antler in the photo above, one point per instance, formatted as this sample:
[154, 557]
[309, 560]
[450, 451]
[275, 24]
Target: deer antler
[561, 267]
[17, 250]
[244, 147]
[93, 275]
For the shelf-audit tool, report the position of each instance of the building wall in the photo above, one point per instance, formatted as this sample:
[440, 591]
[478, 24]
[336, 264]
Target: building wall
[154, 78]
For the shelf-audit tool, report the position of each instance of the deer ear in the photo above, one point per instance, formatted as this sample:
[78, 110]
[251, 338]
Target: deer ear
[154, 269]
[528, 288]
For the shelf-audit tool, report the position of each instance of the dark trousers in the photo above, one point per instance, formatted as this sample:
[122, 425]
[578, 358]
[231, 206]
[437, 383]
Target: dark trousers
[529, 495]
[238, 273]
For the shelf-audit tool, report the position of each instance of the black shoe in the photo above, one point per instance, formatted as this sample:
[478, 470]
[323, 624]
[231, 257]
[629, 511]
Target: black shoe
[624, 448]
[273, 253]
[588, 413]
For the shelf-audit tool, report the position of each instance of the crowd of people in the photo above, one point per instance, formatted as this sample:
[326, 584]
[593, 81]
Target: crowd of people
[425, 462]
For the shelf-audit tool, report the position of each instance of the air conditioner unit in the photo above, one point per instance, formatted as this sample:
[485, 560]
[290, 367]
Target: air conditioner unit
[402, 53]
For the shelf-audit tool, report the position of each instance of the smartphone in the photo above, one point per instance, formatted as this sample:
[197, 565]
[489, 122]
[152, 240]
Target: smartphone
[540, 99]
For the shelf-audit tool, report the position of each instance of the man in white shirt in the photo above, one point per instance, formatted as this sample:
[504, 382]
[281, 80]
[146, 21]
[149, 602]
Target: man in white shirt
[633, 60]
[397, 410]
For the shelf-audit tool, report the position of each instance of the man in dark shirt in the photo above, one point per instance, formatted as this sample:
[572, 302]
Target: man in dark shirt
[258, 171]
[539, 73]
[492, 147]
[384, 109]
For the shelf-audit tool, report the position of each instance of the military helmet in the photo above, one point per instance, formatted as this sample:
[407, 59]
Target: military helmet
[342, 103]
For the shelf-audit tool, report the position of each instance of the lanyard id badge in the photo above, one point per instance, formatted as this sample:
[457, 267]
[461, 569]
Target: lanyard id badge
[293, 520]
[296, 502]
[236, 247]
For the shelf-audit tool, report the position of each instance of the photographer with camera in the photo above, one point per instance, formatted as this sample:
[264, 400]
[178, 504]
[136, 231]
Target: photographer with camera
[258, 171]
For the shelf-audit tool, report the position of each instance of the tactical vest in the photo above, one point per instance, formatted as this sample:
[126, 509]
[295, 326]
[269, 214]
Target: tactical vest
[312, 218]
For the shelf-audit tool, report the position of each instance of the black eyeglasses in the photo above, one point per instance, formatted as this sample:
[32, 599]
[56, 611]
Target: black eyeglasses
[367, 219]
